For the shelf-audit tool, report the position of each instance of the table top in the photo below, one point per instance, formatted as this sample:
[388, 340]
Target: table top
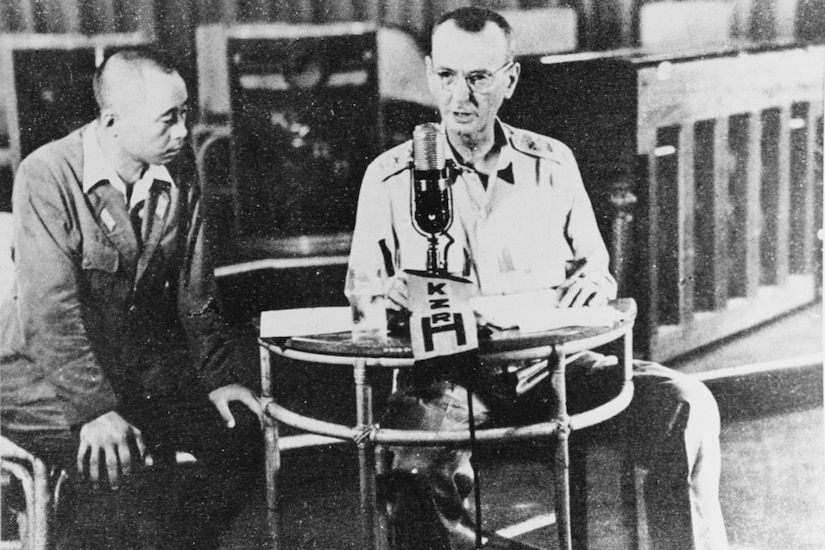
[491, 341]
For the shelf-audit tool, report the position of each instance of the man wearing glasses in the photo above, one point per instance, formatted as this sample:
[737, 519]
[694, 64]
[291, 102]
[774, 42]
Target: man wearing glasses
[522, 222]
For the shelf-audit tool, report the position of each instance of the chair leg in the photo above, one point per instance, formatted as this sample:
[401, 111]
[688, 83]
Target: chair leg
[42, 505]
[34, 479]
[22, 474]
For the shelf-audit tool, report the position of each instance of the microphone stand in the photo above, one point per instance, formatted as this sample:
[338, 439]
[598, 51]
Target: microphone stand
[438, 266]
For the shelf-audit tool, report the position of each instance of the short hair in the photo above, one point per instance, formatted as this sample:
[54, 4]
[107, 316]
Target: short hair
[473, 20]
[131, 59]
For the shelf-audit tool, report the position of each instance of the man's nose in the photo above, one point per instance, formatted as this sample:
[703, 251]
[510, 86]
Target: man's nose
[461, 90]
[179, 130]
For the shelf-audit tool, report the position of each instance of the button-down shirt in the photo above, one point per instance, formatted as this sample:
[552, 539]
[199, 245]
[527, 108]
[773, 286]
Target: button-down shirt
[530, 227]
[100, 312]
[98, 170]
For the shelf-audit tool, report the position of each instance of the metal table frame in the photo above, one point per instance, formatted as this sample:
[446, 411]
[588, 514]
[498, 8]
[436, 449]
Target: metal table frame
[507, 345]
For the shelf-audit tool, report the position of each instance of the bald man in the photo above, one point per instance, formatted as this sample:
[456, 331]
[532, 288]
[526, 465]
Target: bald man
[113, 351]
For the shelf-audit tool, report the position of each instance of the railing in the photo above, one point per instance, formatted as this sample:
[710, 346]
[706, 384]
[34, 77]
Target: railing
[705, 173]
[730, 148]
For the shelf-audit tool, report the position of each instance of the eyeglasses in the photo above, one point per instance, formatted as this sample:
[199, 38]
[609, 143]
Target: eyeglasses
[477, 81]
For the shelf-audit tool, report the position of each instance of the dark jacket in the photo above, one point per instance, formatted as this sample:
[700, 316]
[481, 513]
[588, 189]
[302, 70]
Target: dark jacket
[94, 318]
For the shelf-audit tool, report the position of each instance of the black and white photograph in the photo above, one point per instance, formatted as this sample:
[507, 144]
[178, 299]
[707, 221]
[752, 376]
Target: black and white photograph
[412, 275]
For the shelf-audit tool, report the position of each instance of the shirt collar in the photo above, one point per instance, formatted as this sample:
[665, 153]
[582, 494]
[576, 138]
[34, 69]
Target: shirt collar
[505, 158]
[97, 169]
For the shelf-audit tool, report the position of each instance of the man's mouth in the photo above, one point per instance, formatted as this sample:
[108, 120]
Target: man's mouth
[462, 115]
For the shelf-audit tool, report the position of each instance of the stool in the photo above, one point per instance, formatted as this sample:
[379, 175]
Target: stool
[41, 501]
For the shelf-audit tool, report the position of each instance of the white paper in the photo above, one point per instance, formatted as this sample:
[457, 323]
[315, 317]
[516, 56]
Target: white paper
[305, 321]
[539, 311]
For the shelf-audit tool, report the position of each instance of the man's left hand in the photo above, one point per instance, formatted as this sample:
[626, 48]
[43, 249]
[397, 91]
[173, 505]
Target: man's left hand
[580, 290]
[225, 395]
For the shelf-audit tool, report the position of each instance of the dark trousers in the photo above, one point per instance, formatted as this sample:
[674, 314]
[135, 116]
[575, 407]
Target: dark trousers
[165, 505]
[673, 423]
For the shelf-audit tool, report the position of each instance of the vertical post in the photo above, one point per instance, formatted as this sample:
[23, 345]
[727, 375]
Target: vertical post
[272, 458]
[721, 204]
[106, 19]
[42, 500]
[783, 200]
[67, 12]
[752, 208]
[686, 207]
[561, 462]
[366, 455]
[808, 234]
[650, 299]
[627, 479]
[623, 201]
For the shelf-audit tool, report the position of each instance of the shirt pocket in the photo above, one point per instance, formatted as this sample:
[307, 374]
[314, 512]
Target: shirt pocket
[535, 259]
[102, 278]
[100, 257]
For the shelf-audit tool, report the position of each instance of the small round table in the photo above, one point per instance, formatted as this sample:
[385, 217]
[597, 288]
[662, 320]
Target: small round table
[396, 353]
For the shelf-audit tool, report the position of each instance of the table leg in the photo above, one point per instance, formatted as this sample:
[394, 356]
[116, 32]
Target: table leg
[272, 453]
[579, 447]
[629, 504]
[366, 453]
[273, 468]
[561, 466]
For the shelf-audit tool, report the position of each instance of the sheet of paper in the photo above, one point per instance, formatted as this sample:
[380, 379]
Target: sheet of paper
[305, 321]
[538, 311]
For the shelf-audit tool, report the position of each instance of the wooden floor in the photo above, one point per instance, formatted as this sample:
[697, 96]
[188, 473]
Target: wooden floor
[773, 444]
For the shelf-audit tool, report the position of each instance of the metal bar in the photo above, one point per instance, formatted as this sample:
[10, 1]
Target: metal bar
[42, 498]
[561, 461]
[687, 200]
[366, 452]
[272, 468]
[272, 454]
[627, 475]
[783, 199]
[752, 205]
[411, 437]
[809, 231]
[720, 259]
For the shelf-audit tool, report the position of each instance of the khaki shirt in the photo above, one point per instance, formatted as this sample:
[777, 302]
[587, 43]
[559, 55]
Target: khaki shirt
[531, 227]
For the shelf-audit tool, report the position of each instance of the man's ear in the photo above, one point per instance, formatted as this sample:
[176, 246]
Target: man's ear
[512, 75]
[428, 62]
[107, 118]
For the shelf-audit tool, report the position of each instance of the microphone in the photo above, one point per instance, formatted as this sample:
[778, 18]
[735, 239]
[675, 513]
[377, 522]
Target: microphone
[432, 199]
[432, 196]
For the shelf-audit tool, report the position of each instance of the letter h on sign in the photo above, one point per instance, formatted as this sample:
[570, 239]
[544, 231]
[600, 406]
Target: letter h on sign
[442, 322]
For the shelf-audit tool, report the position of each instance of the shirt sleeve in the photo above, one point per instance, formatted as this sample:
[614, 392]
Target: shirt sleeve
[216, 348]
[590, 256]
[374, 244]
[48, 303]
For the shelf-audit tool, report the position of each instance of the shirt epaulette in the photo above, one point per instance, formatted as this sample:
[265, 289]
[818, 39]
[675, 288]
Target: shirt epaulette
[395, 160]
[535, 145]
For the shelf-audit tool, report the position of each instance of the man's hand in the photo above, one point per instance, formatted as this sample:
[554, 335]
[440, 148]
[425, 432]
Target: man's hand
[225, 395]
[580, 290]
[397, 293]
[111, 434]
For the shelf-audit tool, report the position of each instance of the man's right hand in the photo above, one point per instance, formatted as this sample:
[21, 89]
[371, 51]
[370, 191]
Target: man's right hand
[397, 293]
[111, 434]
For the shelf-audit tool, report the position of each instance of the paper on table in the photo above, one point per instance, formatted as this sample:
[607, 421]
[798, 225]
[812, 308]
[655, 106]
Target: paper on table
[537, 311]
[305, 321]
